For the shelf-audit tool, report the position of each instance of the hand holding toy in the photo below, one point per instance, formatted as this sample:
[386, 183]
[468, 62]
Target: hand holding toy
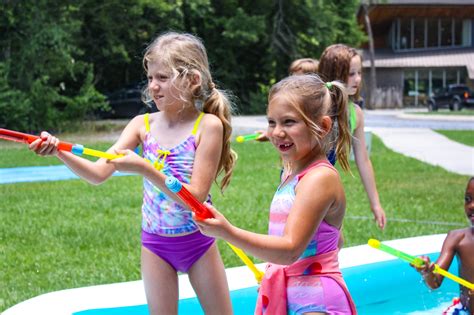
[175, 186]
[77, 149]
[418, 262]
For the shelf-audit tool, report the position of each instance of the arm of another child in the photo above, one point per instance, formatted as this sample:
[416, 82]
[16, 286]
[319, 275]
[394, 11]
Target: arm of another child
[366, 171]
[448, 250]
[309, 209]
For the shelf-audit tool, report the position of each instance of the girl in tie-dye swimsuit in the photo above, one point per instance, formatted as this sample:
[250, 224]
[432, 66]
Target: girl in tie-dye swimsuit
[189, 138]
[308, 208]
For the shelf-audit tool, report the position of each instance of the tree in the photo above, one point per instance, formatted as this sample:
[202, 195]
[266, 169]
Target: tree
[43, 62]
[372, 81]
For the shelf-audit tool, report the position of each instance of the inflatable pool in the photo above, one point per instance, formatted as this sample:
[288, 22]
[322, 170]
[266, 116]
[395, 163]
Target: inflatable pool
[378, 282]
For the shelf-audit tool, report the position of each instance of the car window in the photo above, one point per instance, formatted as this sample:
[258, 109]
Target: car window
[460, 89]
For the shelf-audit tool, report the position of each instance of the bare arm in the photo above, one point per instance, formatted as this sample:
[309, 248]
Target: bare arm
[448, 250]
[366, 171]
[208, 155]
[93, 172]
[309, 209]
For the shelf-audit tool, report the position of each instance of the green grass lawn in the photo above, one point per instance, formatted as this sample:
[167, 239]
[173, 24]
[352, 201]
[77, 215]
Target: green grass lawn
[462, 136]
[65, 234]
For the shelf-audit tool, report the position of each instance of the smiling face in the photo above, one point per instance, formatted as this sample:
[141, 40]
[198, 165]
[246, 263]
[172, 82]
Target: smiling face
[162, 87]
[355, 76]
[469, 201]
[288, 131]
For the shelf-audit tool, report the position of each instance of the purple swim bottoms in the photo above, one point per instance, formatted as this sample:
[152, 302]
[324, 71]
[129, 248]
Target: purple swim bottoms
[181, 252]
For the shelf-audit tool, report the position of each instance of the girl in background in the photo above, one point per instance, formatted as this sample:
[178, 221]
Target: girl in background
[343, 63]
[303, 66]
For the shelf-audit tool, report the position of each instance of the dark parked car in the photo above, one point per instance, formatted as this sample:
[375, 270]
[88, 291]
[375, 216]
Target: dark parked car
[127, 103]
[454, 97]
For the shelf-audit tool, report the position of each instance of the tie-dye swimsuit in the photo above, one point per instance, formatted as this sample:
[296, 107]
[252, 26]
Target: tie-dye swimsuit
[313, 292]
[167, 227]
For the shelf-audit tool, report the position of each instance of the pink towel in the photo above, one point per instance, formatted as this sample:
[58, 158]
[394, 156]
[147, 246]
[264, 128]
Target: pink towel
[272, 293]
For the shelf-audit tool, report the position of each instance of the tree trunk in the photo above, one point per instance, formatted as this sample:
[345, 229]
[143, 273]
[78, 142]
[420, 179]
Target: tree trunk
[372, 83]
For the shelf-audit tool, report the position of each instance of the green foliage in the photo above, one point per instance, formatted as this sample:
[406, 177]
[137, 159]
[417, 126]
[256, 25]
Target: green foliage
[14, 104]
[60, 54]
[45, 66]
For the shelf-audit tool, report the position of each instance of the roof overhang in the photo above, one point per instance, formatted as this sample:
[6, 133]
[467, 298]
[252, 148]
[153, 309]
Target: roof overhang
[423, 59]
[384, 11]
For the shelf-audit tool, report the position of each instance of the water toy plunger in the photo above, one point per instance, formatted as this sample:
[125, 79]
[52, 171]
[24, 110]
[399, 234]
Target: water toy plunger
[244, 138]
[77, 149]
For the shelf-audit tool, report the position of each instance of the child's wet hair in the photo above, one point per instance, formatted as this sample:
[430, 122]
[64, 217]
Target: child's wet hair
[313, 99]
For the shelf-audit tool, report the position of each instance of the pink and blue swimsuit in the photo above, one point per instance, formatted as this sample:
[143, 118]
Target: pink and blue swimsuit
[314, 282]
[167, 227]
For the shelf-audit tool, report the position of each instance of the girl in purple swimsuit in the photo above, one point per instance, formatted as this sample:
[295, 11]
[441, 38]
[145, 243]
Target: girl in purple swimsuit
[303, 275]
[189, 138]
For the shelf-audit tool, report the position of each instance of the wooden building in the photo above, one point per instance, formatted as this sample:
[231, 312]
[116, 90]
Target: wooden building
[419, 46]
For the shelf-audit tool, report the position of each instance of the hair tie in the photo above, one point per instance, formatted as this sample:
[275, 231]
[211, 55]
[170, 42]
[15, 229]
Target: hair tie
[328, 85]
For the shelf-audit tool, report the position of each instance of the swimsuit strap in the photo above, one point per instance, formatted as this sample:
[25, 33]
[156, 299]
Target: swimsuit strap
[196, 124]
[317, 163]
[146, 119]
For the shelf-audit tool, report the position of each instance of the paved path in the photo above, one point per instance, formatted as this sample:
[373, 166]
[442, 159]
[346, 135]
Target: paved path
[417, 141]
[430, 147]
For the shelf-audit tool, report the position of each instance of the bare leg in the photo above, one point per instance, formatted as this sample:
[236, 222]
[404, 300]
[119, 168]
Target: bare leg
[208, 278]
[161, 284]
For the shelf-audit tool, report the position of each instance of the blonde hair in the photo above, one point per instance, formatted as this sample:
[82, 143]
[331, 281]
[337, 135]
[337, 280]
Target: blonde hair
[303, 66]
[309, 95]
[185, 55]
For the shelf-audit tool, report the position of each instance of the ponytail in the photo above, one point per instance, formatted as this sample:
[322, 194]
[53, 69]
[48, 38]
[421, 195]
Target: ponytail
[218, 103]
[341, 129]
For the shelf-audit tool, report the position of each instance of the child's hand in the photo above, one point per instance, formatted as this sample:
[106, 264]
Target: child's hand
[426, 268]
[263, 135]
[45, 145]
[216, 227]
[130, 162]
[379, 216]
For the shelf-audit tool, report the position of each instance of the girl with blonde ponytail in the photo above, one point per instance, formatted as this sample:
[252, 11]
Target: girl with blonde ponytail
[189, 138]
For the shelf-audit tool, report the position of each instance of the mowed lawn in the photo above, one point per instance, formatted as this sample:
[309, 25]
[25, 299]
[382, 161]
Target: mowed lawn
[66, 234]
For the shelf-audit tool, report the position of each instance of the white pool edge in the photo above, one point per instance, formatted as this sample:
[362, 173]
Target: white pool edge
[132, 293]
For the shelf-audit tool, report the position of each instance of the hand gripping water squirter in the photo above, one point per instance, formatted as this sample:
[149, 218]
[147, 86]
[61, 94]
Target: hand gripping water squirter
[77, 149]
[418, 262]
[176, 187]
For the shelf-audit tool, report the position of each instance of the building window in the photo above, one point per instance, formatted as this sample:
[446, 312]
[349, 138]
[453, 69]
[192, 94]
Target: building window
[405, 34]
[446, 32]
[420, 84]
[430, 33]
[433, 36]
[419, 33]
